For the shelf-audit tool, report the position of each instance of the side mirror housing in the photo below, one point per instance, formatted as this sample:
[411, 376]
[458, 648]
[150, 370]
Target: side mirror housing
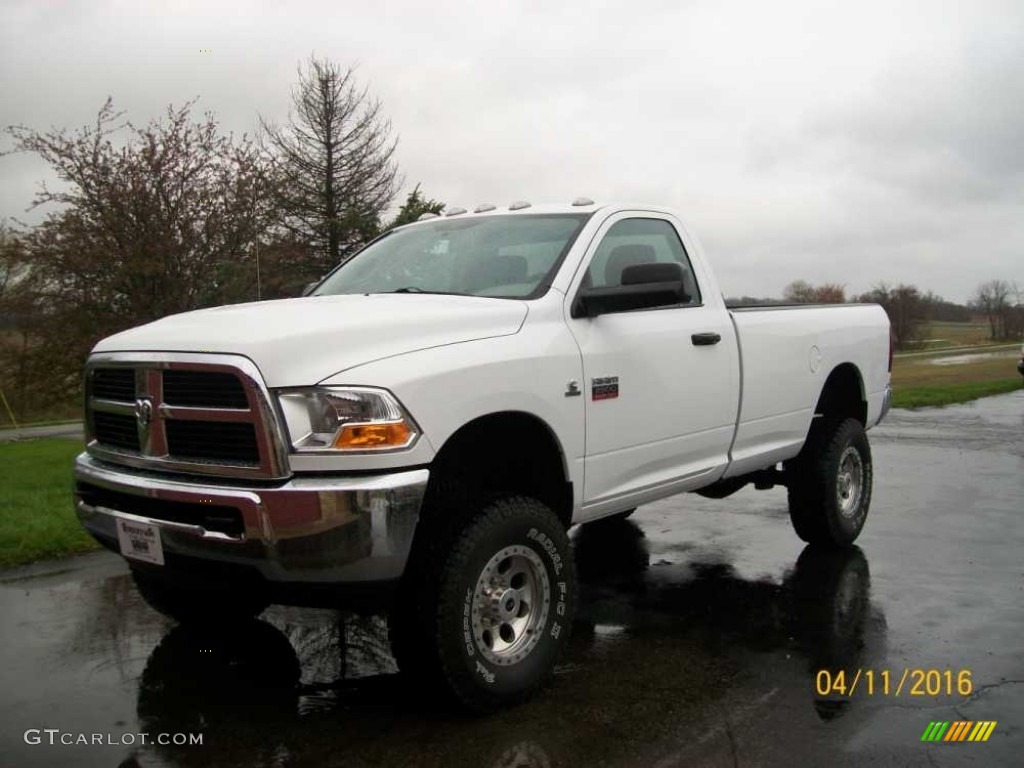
[644, 286]
[309, 287]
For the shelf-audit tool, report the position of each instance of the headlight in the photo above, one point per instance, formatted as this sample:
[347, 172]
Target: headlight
[346, 419]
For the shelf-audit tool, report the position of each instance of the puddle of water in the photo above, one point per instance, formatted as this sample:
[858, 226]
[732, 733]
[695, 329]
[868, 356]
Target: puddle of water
[972, 357]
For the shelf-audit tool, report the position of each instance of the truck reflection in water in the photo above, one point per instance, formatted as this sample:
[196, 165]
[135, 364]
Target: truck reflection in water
[654, 646]
[820, 610]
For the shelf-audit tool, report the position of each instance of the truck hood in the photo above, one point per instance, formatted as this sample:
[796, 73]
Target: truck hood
[300, 342]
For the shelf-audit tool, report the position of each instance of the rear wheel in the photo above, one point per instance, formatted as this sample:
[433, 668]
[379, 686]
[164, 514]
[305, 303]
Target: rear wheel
[830, 483]
[491, 613]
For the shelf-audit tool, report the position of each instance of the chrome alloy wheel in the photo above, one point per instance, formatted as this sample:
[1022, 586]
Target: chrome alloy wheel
[510, 605]
[850, 482]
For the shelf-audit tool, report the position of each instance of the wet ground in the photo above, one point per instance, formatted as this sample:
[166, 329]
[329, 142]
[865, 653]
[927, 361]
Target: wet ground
[67, 429]
[975, 357]
[703, 626]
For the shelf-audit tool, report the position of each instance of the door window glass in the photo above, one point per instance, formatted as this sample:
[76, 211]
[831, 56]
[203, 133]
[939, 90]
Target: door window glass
[639, 241]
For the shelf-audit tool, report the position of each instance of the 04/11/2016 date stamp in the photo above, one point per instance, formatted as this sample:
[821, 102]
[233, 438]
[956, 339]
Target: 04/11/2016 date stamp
[893, 682]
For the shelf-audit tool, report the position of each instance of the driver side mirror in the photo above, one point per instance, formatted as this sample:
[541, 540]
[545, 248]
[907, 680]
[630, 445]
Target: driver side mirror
[644, 286]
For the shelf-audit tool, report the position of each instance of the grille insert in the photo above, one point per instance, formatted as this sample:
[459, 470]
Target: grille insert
[114, 384]
[231, 442]
[204, 389]
[116, 429]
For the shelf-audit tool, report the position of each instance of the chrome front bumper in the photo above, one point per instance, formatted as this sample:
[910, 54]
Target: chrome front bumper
[325, 530]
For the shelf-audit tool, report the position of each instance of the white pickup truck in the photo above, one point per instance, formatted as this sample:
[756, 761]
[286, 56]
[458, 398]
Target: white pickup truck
[444, 406]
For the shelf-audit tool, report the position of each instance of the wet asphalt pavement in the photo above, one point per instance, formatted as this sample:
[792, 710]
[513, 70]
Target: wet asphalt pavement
[701, 630]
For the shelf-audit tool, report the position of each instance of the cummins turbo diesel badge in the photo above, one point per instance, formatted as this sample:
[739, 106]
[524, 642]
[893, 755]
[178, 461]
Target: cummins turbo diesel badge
[604, 388]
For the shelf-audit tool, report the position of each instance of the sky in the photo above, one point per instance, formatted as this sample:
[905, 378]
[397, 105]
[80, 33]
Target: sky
[847, 142]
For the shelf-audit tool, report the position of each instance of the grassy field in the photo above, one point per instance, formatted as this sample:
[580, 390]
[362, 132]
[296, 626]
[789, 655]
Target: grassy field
[939, 334]
[36, 517]
[918, 382]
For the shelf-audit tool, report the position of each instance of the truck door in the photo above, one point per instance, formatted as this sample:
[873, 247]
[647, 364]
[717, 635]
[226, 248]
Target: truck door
[661, 392]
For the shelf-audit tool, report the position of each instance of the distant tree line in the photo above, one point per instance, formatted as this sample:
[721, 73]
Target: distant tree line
[909, 310]
[1000, 303]
[176, 214]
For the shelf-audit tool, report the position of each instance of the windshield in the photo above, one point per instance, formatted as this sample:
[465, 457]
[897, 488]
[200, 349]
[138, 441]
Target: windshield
[511, 257]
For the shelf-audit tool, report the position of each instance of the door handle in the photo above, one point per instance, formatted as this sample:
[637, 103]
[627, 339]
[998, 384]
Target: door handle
[705, 339]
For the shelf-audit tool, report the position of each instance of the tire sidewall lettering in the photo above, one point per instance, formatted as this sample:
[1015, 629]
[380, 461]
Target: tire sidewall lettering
[548, 547]
[467, 631]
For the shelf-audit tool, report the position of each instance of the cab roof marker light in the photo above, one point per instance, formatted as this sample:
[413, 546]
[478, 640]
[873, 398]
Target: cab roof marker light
[427, 215]
[483, 207]
[582, 201]
[455, 212]
[518, 205]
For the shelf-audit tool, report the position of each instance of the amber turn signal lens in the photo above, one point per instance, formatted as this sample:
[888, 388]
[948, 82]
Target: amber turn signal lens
[394, 434]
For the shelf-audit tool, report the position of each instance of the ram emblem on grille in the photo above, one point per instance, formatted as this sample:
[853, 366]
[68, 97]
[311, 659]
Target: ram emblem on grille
[144, 411]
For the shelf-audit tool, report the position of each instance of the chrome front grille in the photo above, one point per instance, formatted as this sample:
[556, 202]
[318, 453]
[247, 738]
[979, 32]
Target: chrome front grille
[178, 412]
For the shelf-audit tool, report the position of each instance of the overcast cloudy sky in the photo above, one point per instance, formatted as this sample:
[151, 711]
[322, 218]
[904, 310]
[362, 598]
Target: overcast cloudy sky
[851, 142]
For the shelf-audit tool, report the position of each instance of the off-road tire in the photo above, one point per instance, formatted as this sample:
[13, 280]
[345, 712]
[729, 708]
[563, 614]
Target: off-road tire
[212, 605]
[437, 636]
[830, 483]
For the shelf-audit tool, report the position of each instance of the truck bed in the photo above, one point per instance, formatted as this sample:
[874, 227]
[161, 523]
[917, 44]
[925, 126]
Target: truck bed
[786, 352]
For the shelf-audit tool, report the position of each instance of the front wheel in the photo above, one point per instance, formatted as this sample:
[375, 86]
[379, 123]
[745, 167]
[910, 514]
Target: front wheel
[830, 483]
[498, 614]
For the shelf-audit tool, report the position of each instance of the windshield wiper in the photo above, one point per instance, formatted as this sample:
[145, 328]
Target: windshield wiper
[414, 289]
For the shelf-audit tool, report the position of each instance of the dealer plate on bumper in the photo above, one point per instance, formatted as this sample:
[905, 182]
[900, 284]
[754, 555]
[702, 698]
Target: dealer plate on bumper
[140, 541]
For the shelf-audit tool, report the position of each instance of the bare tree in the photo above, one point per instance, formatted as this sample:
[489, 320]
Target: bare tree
[907, 310]
[334, 162]
[996, 299]
[802, 292]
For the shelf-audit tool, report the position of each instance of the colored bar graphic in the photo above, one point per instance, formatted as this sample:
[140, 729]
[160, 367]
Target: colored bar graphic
[959, 730]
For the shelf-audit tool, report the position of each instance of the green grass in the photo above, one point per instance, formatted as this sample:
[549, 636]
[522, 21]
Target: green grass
[922, 371]
[947, 394]
[917, 382]
[942, 334]
[37, 520]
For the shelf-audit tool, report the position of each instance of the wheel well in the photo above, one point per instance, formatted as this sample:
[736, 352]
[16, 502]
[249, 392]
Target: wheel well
[843, 395]
[509, 452]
